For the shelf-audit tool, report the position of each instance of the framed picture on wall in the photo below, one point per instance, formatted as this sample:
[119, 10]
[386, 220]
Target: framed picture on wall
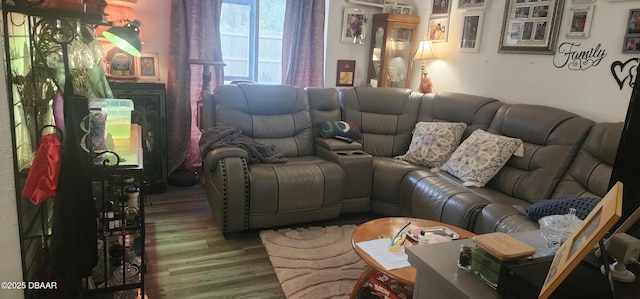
[471, 29]
[397, 8]
[354, 25]
[376, 3]
[632, 32]
[440, 7]
[472, 4]
[580, 24]
[530, 27]
[346, 72]
[438, 29]
[148, 67]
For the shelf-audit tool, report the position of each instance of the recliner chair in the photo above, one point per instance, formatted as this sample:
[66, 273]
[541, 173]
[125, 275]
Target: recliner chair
[246, 196]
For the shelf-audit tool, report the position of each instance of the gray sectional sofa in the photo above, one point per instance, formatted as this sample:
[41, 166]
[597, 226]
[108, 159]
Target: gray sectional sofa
[564, 155]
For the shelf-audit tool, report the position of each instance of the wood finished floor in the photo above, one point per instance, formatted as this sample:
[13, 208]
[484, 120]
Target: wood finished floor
[187, 256]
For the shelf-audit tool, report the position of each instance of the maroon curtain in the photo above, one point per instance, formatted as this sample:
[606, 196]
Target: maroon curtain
[303, 43]
[195, 34]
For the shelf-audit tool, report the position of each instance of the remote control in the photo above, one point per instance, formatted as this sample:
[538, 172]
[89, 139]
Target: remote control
[345, 139]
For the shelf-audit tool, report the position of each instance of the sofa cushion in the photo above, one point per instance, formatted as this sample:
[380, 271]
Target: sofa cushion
[476, 111]
[481, 156]
[433, 142]
[551, 139]
[329, 128]
[386, 117]
[590, 171]
[270, 114]
[561, 205]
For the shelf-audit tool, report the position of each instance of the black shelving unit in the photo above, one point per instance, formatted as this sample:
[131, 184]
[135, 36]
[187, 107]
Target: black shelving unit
[121, 231]
[110, 180]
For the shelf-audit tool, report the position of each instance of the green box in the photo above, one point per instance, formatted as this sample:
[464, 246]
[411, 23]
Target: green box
[485, 266]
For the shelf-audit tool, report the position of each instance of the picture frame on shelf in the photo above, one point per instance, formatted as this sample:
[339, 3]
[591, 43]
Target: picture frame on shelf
[471, 31]
[580, 24]
[578, 245]
[346, 72]
[438, 29]
[354, 25]
[472, 4]
[397, 8]
[148, 67]
[632, 33]
[440, 7]
[375, 3]
[530, 27]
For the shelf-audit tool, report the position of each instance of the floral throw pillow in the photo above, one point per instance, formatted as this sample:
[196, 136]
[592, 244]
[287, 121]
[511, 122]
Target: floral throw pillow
[433, 142]
[481, 156]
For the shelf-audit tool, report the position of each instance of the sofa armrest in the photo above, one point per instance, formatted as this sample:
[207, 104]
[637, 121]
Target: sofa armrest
[211, 160]
[500, 217]
[227, 187]
[333, 144]
[358, 168]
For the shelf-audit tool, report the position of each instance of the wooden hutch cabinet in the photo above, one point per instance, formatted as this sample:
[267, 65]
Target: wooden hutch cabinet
[149, 100]
[394, 43]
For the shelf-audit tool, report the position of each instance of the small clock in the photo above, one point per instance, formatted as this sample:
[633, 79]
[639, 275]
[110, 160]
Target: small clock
[121, 65]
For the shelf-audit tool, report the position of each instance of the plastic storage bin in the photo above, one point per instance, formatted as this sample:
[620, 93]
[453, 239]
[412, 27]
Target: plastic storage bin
[118, 115]
[485, 266]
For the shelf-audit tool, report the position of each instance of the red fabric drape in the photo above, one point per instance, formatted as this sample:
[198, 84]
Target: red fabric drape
[42, 180]
[195, 34]
[303, 43]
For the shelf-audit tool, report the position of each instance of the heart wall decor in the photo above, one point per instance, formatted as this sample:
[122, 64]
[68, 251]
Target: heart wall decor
[623, 71]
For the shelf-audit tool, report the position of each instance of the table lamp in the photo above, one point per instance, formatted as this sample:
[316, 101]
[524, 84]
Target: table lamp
[424, 53]
[126, 37]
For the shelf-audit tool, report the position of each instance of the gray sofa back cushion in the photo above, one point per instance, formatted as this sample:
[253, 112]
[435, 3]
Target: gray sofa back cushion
[476, 111]
[270, 114]
[386, 117]
[551, 140]
[324, 106]
[590, 171]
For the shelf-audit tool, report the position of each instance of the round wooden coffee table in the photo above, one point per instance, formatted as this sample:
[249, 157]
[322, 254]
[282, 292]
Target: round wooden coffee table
[389, 226]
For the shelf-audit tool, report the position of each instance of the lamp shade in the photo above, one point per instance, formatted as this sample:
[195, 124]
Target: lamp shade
[126, 38]
[118, 15]
[425, 51]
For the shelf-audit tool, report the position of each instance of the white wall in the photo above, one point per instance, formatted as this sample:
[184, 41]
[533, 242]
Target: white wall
[511, 78]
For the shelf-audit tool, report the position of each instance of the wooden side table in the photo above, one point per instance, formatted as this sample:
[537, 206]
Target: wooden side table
[390, 226]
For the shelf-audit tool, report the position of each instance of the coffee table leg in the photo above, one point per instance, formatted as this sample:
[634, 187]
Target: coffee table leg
[363, 278]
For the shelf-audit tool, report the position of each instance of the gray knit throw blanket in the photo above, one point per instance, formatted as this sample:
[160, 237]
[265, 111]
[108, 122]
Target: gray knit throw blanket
[217, 137]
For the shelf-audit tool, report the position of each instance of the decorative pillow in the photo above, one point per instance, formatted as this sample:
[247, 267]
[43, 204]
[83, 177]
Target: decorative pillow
[329, 128]
[481, 156]
[433, 142]
[561, 205]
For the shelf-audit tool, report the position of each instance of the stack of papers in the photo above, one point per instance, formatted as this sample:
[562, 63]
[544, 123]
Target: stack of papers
[378, 249]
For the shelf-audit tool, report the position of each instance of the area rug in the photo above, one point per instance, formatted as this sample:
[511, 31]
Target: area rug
[315, 262]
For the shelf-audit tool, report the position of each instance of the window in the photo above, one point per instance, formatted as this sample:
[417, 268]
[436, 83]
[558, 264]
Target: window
[251, 37]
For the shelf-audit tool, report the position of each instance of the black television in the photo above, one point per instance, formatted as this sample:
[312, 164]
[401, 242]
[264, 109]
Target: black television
[626, 167]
